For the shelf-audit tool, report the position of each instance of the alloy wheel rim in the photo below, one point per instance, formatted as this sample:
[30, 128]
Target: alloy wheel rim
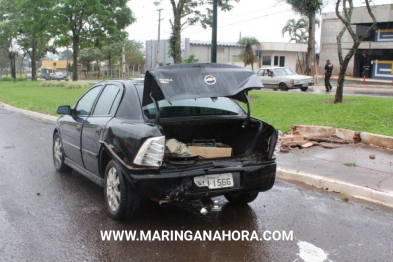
[58, 153]
[113, 189]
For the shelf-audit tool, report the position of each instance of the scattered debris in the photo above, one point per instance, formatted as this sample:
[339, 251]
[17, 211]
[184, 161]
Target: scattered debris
[357, 138]
[309, 144]
[344, 197]
[331, 139]
[371, 156]
[292, 141]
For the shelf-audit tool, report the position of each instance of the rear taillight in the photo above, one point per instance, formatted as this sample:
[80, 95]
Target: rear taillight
[151, 152]
[278, 144]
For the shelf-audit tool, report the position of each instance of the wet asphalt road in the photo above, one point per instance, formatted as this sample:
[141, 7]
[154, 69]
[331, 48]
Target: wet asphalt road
[50, 216]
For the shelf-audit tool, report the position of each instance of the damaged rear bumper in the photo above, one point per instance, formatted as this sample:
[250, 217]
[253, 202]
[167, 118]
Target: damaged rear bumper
[179, 185]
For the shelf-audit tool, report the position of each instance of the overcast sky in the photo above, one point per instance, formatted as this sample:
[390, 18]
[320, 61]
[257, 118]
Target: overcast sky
[263, 19]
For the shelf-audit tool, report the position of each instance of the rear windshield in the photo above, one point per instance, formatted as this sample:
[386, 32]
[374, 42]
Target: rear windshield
[283, 71]
[221, 106]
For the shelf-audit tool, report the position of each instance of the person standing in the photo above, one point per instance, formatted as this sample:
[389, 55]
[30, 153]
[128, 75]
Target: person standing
[328, 74]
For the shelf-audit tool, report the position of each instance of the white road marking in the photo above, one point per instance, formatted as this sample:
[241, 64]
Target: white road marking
[310, 253]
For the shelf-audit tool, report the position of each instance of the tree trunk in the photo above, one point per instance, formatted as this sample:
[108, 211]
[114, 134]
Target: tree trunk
[310, 56]
[21, 64]
[75, 50]
[343, 70]
[177, 42]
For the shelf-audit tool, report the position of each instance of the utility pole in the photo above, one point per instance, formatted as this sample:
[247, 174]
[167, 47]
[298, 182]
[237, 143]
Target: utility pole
[158, 39]
[213, 58]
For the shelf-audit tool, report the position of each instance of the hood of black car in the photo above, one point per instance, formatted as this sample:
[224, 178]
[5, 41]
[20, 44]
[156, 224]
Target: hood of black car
[184, 81]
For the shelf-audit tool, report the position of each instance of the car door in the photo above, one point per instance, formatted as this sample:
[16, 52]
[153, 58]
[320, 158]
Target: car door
[266, 77]
[72, 125]
[94, 125]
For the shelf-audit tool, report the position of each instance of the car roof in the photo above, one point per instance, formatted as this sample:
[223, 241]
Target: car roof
[272, 67]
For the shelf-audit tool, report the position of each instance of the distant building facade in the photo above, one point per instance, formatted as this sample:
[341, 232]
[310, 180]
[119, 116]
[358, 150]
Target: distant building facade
[271, 54]
[375, 52]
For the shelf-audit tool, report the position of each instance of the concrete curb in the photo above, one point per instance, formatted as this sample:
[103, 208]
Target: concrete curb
[28, 113]
[299, 132]
[334, 185]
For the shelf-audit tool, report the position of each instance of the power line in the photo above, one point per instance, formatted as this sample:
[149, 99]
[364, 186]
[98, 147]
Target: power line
[252, 19]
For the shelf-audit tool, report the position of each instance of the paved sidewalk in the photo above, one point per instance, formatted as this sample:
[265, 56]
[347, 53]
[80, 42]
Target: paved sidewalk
[356, 170]
[348, 169]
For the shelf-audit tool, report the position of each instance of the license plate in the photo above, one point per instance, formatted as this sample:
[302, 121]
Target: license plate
[215, 181]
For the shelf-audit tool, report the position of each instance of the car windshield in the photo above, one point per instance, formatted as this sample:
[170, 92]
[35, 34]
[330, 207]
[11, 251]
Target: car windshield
[222, 106]
[283, 71]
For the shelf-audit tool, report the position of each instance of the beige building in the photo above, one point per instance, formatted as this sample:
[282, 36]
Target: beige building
[279, 54]
[375, 53]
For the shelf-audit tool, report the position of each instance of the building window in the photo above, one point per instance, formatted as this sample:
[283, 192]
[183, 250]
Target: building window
[266, 60]
[279, 60]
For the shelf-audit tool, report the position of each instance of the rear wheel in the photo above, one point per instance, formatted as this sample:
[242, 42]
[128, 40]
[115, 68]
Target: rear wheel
[121, 201]
[304, 88]
[58, 155]
[241, 199]
[283, 87]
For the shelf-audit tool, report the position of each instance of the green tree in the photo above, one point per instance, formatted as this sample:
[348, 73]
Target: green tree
[247, 54]
[111, 55]
[134, 55]
[308, 8]
[82, 24]
[86, 57]
[191, 11]
[191, 59]
[33, 36]
[298, 31]
[345, 17]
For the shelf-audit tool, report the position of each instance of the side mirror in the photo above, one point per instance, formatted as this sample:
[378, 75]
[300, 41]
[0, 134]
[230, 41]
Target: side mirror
[63, 110]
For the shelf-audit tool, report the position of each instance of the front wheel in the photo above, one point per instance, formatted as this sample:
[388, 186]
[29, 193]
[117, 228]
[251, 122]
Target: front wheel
[304, 88]
[241, 199]
[121, 201]
[58, 155]
[283, 87]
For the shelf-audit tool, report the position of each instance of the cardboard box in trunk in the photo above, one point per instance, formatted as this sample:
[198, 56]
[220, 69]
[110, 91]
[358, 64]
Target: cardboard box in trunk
[221, 150]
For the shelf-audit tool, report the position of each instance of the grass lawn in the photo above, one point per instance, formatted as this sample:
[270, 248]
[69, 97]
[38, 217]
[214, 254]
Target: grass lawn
[281, 109]
[29, 95]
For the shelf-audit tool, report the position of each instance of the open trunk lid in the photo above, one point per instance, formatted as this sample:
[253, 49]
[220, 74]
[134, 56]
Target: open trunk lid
[176, 82]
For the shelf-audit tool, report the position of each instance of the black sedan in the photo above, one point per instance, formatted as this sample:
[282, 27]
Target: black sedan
[179, 135]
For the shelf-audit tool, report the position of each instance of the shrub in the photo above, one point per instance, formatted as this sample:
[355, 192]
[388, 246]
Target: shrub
[66, 85]
[8, 78]
[76, 85]
[52, 84]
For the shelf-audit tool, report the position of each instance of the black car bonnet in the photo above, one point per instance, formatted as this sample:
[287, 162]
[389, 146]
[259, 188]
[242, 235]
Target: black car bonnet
[184, 81]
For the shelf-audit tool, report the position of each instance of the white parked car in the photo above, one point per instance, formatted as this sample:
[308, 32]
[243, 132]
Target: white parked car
[59, 76]
[284, 78]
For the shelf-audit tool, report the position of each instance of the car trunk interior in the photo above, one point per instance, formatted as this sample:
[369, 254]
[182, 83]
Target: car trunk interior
[231, 132]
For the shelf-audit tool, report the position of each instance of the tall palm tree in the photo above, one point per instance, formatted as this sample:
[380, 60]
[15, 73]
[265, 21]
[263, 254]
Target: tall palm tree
[247, 54]
[298, 31]
[293, 26]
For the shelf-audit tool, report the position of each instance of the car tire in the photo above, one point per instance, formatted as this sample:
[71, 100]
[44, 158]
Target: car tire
[241, 199]
[283, 87]
[304, 89]
[121, 201]
[58, 155]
